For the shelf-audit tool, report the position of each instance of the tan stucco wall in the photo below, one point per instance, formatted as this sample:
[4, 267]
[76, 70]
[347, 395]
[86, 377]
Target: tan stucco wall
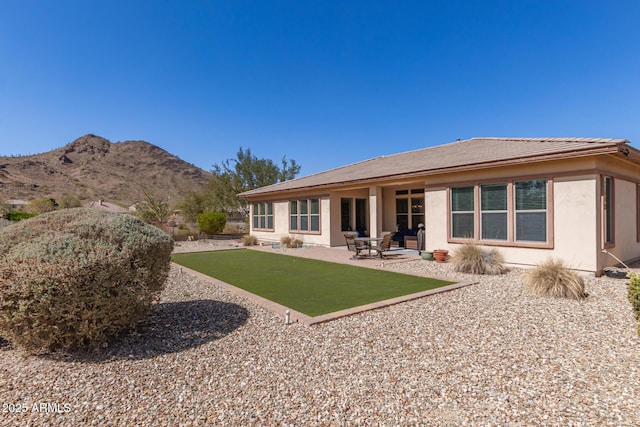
[435, 201]
[574, 227]
[576, 221]
[281, 224]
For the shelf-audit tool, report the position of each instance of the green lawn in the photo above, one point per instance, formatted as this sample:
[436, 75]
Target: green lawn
[309, 286]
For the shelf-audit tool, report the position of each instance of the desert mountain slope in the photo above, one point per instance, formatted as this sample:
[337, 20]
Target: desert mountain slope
[93, 168]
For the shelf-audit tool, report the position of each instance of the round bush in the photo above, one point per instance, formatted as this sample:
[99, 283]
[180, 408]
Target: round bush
[74, 278]
[212, 222]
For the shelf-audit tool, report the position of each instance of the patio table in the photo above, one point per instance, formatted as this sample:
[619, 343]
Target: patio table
[368, 242]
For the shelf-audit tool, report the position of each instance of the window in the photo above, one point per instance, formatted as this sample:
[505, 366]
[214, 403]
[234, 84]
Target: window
[409, 209]
[348, 220]
[493, 211]
[531, 210]
[361, 214]
[263, 216]
[345, 214]
[417, 211]
[304, 215]
[515, 212]
[462, 212]
[607, 210]
[402, 213]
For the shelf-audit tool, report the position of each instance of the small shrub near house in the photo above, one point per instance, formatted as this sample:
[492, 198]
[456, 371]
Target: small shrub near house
[75, 278]
[634, 295]
[554, 279]
[290, 242]
[285, 241]
[249, 240]
[472, 259]
[212, 222]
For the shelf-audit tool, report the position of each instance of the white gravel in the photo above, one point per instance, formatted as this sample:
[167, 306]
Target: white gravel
[487, 354]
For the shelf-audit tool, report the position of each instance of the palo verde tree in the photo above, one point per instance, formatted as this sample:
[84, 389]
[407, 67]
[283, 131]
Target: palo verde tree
[153, 210]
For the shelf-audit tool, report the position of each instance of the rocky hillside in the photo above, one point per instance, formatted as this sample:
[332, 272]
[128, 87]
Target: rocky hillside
[93, 168]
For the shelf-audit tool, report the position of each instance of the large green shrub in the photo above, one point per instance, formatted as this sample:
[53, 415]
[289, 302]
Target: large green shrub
[472, 259]
[19, 216]
[74, 278]
[552, 278]
[212, 222]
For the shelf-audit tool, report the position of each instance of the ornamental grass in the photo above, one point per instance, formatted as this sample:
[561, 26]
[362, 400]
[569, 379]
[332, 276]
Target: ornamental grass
[552, 278]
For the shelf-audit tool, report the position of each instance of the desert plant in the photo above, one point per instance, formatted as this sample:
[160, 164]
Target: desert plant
[69, 201]
[212, 222]
[39, 206]
[290, 242]
[5, 208]
[233, 229]
[553, 278]
[249, 240]
[634, 293]
[75, 278]
[153, 210]
[471, 258]
[285, 241]
[19, 216]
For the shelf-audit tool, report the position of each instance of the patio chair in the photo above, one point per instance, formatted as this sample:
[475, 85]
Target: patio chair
[384, 246]
[355, 246]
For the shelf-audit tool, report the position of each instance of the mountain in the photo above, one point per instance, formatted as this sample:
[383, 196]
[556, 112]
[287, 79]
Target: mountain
[93, 168]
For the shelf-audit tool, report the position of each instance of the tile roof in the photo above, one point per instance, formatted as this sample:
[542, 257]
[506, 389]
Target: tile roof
[460, 154]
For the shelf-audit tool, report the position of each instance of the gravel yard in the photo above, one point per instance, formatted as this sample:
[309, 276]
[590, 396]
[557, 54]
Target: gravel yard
[486, 354]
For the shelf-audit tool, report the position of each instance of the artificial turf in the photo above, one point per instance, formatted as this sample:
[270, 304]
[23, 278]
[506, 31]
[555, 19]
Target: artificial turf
[309, 286]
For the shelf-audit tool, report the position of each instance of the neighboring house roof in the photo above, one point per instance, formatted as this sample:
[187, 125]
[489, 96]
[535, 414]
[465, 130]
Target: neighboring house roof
[461, 155]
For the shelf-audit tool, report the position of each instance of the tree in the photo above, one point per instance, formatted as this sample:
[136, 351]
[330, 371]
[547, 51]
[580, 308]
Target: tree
[212, 222]
[40, 206]
[69, 201]
[247, 172]
[5, 208]
[153, 210]
[233, 176]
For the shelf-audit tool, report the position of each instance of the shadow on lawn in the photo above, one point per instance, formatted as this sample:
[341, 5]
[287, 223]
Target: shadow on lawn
[170, 328]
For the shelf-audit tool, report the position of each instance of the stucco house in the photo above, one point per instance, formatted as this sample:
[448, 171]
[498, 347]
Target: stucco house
[570, 198]
[17, 204]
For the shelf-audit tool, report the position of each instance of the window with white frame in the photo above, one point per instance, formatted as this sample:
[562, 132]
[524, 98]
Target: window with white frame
[262, 216]
[304, 215]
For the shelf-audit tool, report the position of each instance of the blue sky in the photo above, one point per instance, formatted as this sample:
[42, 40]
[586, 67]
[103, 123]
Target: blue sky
[326, 83]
